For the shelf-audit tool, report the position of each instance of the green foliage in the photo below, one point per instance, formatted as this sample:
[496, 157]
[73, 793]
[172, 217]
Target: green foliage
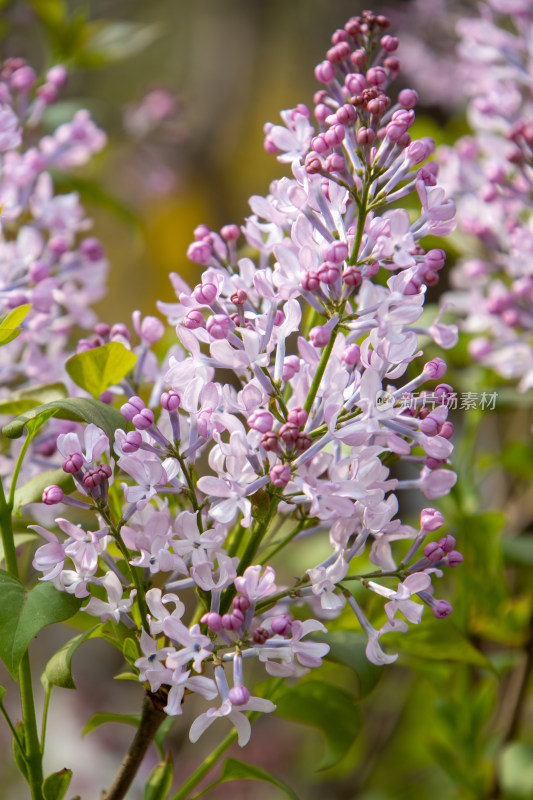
[348, 648]
[58, 670]
[330, 709]
[56, 784]
[24, 612]
[114, 40]
[101, 718]
[515, 770]
[10, 323]
[18, 754]
[234, 770]
[440, 640]
[158, 784]
[32, 491]
[19, 539]
[97, 369]
[84, 409]
[24, 399]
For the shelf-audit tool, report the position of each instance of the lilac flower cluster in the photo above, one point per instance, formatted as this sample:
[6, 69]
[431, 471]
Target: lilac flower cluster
[46, 258]
[491, 176]
[297, 442]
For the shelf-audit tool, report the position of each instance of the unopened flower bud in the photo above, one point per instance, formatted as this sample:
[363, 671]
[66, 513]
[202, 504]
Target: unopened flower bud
[239, 298]
[261, 420]
[430, 426]
[435, 369]
[288, 433]
[310, 281]
[230, 233]
[73, 463]
[447, 430]
[454, 558]
[143, 420]
[269, 441]
[152, 330]
[52, 495]
[92, 249]
[291, 366]
[441, 609]
[205, 293]
[319, 336]
[193, 319]
[328, 273]
[233, 621]
[238, 695]
[218, 326]
[131, 442]
[389, 43]
[170, 400]
[325, 72]
[365, 136]
[213, 621]
[119, 331]
[199, 252]
[352, 276]
[431, 519]
[57, 76]
[408, 98]
[298, 416]
[132, 407]
[281, 625]
[335, 252]
[433, 552]
[303, 442]
[260, 635]
[241, 603]
[280, 475]
[351, 355]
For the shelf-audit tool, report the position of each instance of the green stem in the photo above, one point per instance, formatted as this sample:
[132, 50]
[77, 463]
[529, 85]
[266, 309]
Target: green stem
[17, 468]
[320, 371]
[45, 713]
[277, 546]
[12, 728]
[8, 540]
[202, 771]
[363, 211]
[31, 736]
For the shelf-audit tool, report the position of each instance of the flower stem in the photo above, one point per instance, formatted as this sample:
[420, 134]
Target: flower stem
[151, 719]
[202, 770]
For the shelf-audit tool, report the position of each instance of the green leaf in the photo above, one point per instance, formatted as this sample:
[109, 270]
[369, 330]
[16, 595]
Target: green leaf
[158, 785]
[97, 369]
[56, 784]
[518, 550]
[24, 399]
[130, 650]
[438, 640]
[2, 693]
[58, 671]
[116, 40]
[348, 648]
[24, 612]
[326, 707]
[10, 323]
[32, 491]
[18, 755]
[234, 770]
[515, 770]
[162, 733]
[102, 718]
[85, 409]
[20, 538]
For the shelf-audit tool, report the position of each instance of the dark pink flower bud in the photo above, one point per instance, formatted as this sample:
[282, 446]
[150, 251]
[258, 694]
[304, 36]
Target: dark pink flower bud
[431, 278]
[325, 72]
[233, 621]
[143, 420]
[298, 416]
[408, 98]
[335, 163]
[393, 65]
[230, 233]
[241, 602]
[52, 495]
[58, 245]
[239, 297]
[429, 426]
[132, 441]
[389, 43]
[92, 249]
[441, 609]
[280, 475]
[205, 293]
[132, 407]
[454, 558]
[92, 479]
[119, 331]
[269, 441]
[73, 463]
[193, 319]
[38, 271]
[435, 369]
[105, 471]
[281, 625]
[328, 273]
[57, 76]
[218, 326]
[303, 442]
[365, 136]
[199, 252]
[356, 84]
[279, 319]
[433, 552]
[431, 519]
[319, 336]
[288, 433]
[47, 93]
[419, 150]
[170, 400]
[339, 36]
[261, 420]
[335, 135]
[23, 79]
[346, 114]
[447, 543]
[336, 252]
[435, 259]
[434, 463]
[101, 329]
[447, 430]
[213, 621]
[338, 52]
[351, 355]
[444, 393]
[321, 112]
[319, 145]
[352, 276]
[238, 696]
[376, 76]
[260, 635]
[313, 164]
[291, 366]
[310, 281]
